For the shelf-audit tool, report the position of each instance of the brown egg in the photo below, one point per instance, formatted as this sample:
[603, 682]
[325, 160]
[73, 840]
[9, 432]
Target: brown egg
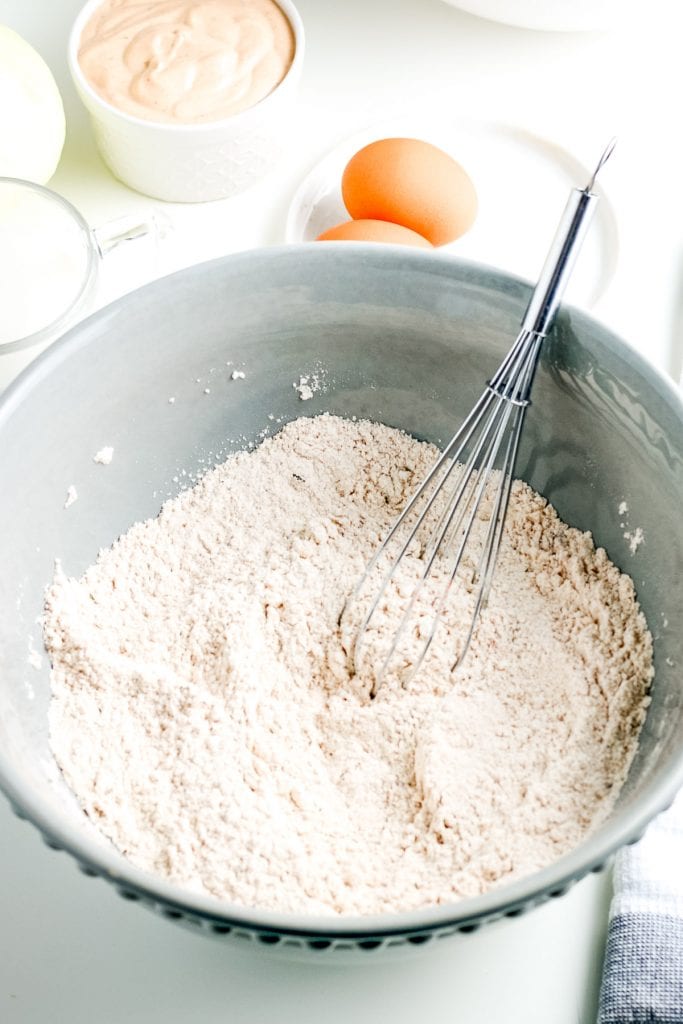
[373, 231]
[412, 183]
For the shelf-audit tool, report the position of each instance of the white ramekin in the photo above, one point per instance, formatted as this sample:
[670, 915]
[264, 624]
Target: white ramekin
[197, 162]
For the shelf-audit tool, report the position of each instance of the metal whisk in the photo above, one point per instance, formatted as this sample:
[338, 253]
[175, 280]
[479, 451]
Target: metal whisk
[439, 535]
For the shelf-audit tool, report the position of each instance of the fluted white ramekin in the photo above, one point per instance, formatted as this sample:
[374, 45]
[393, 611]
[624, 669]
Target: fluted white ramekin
[195, 162]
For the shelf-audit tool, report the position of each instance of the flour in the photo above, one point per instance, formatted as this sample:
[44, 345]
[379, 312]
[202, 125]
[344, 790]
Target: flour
[303, 389]
[71, 496]
[204, 714]
[311, 383]
[104, 456]
[635, 538]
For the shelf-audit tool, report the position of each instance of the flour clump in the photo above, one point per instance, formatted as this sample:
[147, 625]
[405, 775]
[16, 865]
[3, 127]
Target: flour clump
[204, 714]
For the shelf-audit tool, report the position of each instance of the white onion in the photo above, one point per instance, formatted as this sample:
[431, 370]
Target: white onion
[32, 125]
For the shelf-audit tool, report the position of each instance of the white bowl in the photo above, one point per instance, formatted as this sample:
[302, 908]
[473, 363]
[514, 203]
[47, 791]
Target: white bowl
[196, 162]
[549, 15]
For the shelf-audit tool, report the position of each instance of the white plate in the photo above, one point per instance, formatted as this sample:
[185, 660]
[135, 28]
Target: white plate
[522, 181]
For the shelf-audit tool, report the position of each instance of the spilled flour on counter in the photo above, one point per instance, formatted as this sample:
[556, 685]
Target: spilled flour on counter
[204, 714]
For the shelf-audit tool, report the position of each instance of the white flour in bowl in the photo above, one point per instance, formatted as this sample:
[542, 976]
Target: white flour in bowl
[204, 714]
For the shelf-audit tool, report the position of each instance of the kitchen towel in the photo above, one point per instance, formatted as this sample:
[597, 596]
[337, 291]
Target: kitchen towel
[643, 973]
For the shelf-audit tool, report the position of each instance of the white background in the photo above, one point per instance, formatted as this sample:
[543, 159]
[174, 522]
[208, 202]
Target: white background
[70, 949]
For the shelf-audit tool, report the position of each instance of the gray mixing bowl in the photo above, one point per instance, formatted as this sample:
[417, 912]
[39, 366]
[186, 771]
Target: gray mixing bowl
[395, 335]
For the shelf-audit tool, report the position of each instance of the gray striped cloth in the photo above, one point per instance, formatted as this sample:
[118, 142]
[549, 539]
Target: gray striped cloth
[642, 980]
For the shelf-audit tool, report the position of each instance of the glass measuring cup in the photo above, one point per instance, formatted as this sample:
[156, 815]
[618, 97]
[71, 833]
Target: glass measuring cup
[49, 267]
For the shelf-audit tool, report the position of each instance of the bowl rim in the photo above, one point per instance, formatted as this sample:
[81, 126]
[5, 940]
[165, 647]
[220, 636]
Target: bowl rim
[98, 855]
[193, 130]
[55, 327]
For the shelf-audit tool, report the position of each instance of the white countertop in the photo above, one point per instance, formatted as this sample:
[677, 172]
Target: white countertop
[70, 949]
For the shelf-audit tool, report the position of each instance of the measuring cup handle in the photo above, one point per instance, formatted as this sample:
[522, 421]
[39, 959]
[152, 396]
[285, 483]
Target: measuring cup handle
[113, 233]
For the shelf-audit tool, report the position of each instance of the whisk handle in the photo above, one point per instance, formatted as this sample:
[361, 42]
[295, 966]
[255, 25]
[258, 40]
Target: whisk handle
[559, 262]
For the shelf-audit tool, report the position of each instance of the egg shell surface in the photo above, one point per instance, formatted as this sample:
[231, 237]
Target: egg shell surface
[373, 231]
[412, 183]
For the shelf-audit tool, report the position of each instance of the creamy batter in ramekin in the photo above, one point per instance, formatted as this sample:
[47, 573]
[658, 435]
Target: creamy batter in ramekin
[186, 61]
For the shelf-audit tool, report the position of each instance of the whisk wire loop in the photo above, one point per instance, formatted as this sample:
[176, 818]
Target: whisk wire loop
[452, 452]
[480, 481]
[463, 505]
[472, 479]
[452, 521]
